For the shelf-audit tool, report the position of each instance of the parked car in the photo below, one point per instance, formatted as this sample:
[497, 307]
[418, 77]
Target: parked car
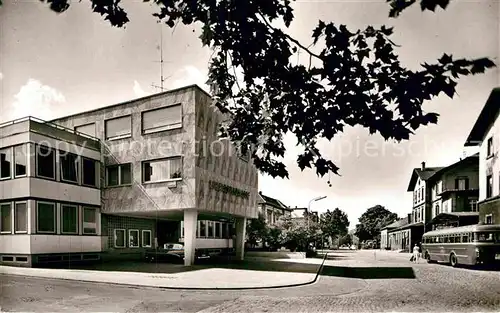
[170, 252]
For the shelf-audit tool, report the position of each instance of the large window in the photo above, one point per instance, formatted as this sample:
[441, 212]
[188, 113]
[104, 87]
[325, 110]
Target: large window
[45, 162]
[117, 128]
[21, 217]
[489, 151]
[162, 170]
[5, 163]
[146, 238]
[20, 160]
[89, 172]
[162, 119]
[69, 219]
[133, 238]
[89, 221]
[489, 186]
[46, 217]
[117, 175]
[88, 129]
[5, 218]
[119, 241]
[69, 167]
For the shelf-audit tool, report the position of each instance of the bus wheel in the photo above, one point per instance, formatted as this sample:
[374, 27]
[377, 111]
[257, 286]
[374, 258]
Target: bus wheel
[453, 260]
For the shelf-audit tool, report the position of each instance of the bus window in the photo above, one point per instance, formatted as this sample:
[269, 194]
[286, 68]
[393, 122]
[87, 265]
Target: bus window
[465, 238]
[482, 237]
[446, 239]
[452, 239]
[436, 239]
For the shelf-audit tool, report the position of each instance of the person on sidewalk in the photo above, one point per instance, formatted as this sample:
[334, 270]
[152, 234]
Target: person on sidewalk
[416, 253]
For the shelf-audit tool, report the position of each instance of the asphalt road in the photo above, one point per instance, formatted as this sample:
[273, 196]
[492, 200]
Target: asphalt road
[391, 284]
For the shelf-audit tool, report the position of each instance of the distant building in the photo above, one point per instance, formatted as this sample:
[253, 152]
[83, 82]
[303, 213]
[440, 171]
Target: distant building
[396, 236]
[299, 214]
[485, 134]
[272, 209]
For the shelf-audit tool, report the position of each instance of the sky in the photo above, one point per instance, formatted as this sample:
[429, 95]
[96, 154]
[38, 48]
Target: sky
[54, 65]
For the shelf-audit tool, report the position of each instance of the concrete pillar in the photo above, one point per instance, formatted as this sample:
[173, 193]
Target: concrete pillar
[190, 222]
[241, 223]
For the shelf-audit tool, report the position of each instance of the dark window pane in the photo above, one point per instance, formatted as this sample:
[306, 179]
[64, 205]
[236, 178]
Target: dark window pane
[5, 163]
[126, 174]
[69, 167]
[113, 176]
[5, 222]
[21, 217]
[146, 238]
[21, 160]
[119, 238]
[46, 217]
[45, 160]
[69, 219]
[210, 229]
[89, 172]
[89, 221]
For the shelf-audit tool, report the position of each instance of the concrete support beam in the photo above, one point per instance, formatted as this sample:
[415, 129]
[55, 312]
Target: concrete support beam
[241, 223]
[190, 223]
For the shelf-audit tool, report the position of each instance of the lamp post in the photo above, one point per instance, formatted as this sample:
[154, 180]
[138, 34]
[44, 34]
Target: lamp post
[309, 207]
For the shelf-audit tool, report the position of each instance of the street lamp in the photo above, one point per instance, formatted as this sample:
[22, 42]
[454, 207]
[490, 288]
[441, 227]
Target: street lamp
[309, 207]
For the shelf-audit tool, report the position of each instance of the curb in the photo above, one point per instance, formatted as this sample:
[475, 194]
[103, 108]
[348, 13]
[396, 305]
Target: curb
[189, 288]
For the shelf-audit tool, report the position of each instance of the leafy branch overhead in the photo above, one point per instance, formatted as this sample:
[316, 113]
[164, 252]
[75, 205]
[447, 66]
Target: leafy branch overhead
[352, 77]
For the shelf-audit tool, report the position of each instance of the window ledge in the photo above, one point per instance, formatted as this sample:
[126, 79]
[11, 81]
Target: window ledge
[118, 186]
[6, 232]
[162, 129]
[167, 181]
[119, 137]
[22, 232]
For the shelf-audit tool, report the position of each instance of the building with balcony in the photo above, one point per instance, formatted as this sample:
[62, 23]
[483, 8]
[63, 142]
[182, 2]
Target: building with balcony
[273, 209]
[454, 194]
[162, 175]
[485, 134]
[421, 213]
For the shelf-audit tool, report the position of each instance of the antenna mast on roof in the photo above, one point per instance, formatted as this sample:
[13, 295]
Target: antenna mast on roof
[160, 47]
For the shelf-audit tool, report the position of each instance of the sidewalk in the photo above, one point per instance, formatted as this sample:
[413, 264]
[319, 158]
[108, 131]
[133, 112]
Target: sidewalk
[194, 278]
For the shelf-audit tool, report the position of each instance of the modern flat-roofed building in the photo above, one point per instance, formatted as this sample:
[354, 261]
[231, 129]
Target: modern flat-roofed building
[165, 176]
[50, 195]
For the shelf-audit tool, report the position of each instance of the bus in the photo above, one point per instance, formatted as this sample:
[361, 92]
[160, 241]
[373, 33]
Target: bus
[465, 245]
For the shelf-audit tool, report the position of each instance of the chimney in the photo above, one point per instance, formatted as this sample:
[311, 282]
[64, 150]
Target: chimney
[409, 218]
[423, 166]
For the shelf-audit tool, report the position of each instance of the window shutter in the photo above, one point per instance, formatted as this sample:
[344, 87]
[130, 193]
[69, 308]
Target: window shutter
[466, 184]
[456, 183]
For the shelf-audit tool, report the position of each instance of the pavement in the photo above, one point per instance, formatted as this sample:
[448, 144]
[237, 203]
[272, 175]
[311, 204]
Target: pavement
[350, 281]
[249, 274]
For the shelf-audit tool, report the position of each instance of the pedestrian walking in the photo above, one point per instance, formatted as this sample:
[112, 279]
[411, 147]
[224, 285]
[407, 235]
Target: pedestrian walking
[416, 253]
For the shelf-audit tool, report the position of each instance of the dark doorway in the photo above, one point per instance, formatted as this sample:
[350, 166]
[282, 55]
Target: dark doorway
[167, 232]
